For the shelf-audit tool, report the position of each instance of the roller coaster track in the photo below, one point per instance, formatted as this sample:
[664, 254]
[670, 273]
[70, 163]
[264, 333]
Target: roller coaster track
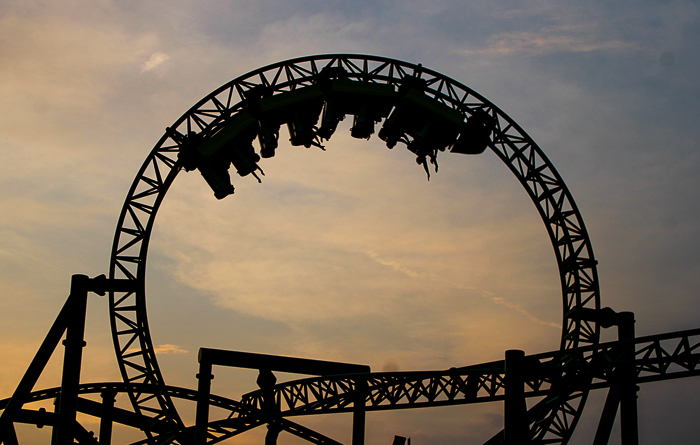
[547, 190]
[657, 357]
[557, 382]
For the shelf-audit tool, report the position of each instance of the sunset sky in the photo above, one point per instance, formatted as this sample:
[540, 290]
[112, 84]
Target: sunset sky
[351, 254]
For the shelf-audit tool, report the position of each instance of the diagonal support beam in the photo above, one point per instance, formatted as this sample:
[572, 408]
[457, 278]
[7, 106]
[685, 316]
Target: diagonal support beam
[71, 321]
[36, 367]
[607, 417]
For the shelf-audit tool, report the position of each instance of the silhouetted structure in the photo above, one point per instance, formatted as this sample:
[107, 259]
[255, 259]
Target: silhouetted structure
[400, 440]
[427, 112]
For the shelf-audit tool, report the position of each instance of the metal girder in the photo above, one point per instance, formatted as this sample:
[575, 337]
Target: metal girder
[567, 232]
[657, 357]
[160, 430]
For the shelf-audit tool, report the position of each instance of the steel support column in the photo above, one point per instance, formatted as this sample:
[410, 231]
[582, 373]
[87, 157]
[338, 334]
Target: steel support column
[629, 428]
[515, 409]
[273, 432]
[359, 413]
[108, 399]
[266, 382]
[64, 431]
[203, 391]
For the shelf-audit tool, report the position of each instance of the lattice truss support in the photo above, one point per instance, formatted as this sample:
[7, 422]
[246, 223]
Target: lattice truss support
[161, 432]
[546, 376]
[656, 358]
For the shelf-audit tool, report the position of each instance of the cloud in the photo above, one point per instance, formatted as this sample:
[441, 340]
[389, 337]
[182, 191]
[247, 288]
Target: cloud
[523, 311]
[554, 40]
[56, 79]
[169, 349]
[165, 349]
[433, 274]
[154, 61]
[393, 264]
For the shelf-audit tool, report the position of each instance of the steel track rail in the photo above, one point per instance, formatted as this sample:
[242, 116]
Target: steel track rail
[162, 431]
[657, 357]
[555, 204]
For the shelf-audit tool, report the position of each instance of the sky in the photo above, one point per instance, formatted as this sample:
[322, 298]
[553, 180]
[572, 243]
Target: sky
[350, 254]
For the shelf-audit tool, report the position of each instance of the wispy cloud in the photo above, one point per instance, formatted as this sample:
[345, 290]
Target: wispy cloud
[154, 61]
[392, 264]
[165, 349]
[169, 349]
[551, 40]
[350, 255]
[517, 308]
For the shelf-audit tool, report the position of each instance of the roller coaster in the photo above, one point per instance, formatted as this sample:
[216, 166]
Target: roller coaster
[429, 114]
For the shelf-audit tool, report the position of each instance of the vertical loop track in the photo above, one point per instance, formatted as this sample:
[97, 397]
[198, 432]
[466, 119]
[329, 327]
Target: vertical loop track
[551, 421]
